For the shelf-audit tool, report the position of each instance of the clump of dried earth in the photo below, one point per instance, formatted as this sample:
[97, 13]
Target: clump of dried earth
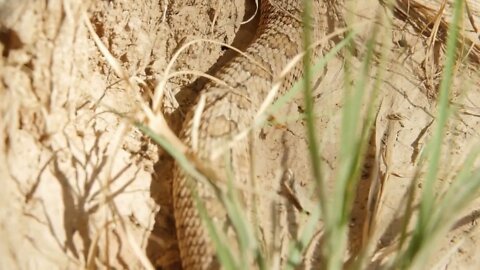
[82, 187]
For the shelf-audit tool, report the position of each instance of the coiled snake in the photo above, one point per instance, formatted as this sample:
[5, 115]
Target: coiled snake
[228, 110]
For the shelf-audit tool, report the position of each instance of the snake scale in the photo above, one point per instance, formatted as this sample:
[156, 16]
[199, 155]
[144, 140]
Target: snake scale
[227, 111]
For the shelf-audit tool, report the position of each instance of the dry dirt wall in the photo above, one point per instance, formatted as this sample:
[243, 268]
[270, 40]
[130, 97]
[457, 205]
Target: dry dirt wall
[82, 188]
[76, 177]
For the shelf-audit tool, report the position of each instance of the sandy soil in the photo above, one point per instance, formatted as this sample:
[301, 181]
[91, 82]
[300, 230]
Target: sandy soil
[81, 187]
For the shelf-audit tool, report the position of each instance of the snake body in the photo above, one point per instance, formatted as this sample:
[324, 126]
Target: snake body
[227, 111]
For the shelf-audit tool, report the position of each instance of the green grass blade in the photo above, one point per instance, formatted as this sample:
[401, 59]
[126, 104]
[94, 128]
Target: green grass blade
[298, 246]
[353, 143]
[422, 231]
[224, 253]
[236, 214]
[315, 69]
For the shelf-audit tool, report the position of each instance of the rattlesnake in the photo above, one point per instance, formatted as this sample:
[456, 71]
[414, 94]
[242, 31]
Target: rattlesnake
[227, 111]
